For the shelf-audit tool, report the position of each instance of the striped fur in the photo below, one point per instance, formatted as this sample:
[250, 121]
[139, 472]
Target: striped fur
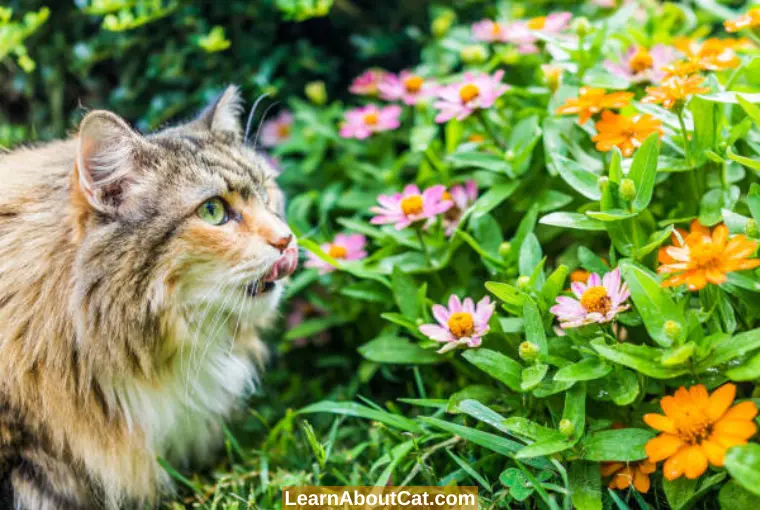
[125, 329]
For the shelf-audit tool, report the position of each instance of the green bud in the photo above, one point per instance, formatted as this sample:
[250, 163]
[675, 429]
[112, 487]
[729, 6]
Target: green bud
[582, 26]
[673, 329]
[474, 54]
[316, 92]
[529, 351]
[505, 249]
[627, 189]
[566, 427]
[751, 228]
[509, 155]
[522, 282]
[441, 25]
[552, 77]
[602, 182]
[510, 56]
[678, 356]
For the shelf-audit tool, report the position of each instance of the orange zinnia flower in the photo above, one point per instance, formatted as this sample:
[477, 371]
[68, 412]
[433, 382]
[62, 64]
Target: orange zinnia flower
[712, 54]
[625, 133]
[706, 258]
[698, 428]
[592, 101]
[623, 475]
[681, 68]
[696, 232]
[675, 91]
[749, 20]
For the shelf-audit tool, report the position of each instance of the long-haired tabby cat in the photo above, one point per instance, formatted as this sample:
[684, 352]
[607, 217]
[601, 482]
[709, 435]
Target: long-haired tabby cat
[135, 273]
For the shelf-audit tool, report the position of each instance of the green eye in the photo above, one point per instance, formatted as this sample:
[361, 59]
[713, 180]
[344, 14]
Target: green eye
[214, 212]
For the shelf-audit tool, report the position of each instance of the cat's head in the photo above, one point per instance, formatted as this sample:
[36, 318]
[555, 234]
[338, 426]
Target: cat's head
[186, 217]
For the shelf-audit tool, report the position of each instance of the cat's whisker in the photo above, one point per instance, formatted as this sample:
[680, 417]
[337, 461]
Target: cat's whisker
[261, 123]
[251, 115]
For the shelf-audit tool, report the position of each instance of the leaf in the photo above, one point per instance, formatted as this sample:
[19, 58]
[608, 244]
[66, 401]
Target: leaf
[624, 386]
[396, 350]
[754, 164]
[743, 463]
[644, 171]
[733, 497]
[554, 284]
[421, 136]
[545, 447]
[520, 488]
[653, 303]
[751, 110]
[405, 293]
[577, 177]
[573, 220]
[482, 160]
[611, 215]
[526, 428]
[394, 458]
[469, 470]
[533, 375]
[748, 370]
[506, 292]
[497, 365]
[641, 358]
[492, 198]
[361, 411]
[534, 326]
[705, 129]
[530, 254]
[475, 393]
[585, 484]
[731, 347]
[575, 409]
[585, 370]
[483, 413]
[624, 445]
[679, 491]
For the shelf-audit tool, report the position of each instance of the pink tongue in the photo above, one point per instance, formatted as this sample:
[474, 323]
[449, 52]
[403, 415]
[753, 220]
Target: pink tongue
[284, 267]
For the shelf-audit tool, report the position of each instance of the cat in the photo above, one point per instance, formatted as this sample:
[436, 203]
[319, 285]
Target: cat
[136, 272]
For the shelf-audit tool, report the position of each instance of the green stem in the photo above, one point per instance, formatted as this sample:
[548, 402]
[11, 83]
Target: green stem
[423, 246]
[685, 134]
[488, 128]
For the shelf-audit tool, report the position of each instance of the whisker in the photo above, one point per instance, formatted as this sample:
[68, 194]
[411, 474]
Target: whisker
[261, 123]
[250, 115]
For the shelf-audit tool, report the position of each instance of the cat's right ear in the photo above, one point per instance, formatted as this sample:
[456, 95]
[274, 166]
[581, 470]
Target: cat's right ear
[106, 163]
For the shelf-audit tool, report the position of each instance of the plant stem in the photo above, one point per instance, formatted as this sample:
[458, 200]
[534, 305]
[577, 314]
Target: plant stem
[685, 134]
[423, 246]
[488, 129]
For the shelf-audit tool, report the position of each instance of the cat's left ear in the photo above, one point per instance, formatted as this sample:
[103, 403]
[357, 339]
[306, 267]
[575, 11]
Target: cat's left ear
[224, 113]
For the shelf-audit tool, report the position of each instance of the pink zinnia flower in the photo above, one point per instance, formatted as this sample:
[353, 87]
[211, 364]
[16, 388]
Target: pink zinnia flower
[461, 324]
[461, 99]
[522, 36]
[366, 83]
[640, 65]
[362, 122]
[411, 206]
[301, 310]
[554, 23]
[407, 87]
[490, 31]
[463, 197]
[343, 247]
[599, 301]
[277, 130]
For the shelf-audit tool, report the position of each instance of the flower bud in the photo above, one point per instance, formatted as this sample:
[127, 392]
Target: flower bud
[510, 56]
[602, 183]
[509, 155]
[552, 76]
[582, 26]
[566, 427]
[528, 351]
[441, 25]
[673, 329]
[627, 189]
[505, 249]
[474, 54]
[751, 228]
[522, 282]
[316, 92]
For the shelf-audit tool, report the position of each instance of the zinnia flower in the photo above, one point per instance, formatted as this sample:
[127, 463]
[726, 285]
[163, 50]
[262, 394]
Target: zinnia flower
[407, 87]
[476, 91]
[698, 428]
[713, 54]
[681, 68]
[706, 258]
[592, 101]
[640, 64]
[461, 324]
[749, 20]
[411, 206]
[523, 37]
[362, 122]
[625, 133]
[366, 84]
[489, 31]
[599, 301]
[675, 91]
[626, 474]
[277, 130]
[343, 247]
[554, 23]
[463, 197]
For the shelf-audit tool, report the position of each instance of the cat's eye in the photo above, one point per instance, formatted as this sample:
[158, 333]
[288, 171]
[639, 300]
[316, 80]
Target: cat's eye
[214, 211]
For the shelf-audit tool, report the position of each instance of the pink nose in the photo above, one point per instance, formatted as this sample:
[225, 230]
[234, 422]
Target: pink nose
[285, 265]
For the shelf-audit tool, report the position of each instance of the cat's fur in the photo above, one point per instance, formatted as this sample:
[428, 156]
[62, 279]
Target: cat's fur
[126, 332]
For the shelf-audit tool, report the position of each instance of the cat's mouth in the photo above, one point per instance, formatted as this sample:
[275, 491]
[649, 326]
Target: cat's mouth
[284, 267]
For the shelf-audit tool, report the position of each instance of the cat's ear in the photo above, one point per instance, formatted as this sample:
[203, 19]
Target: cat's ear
[108, 150]
[224, 113]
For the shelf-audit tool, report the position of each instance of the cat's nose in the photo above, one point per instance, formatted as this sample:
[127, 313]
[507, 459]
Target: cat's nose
[282, 243]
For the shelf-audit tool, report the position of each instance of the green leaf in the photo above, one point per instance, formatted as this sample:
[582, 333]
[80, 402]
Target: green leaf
[653, 303]
[705, 129]
[624, 386]
[554, 284]
[531, 430]
[585, 484]
[492, 198]
[421, 136]
[624, 445]
[520, 487]
[399, 351]
[748, 370]
[641, 358]
[483, 413]
[754, 164]
[475, 393]
[611, 215]
[482, 160]
[743, 463]
[534, 326]
[585, 370]
[580, 179]
[405, 293]
[361, 411]
[731, 347]
[545, 447]
[679, 491]
[533, 375]
[575, 409]
[497, 365]
[530, 254]
[644, 171]
[752, 110]
[733, 496]
[469, 470]
[573, 220]
[506, 292]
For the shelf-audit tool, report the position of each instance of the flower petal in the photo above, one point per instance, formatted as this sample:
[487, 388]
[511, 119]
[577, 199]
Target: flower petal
[662, 447]
[720, 400]
[660, 422]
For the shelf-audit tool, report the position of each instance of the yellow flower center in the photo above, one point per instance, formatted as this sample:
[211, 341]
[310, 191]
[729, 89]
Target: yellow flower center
[693, 426]
[283, 130]
[705, 255]
[641, 61]
[461, 324]
[413, 83]
[596, 300]
[468, 92]
[370, 118]
[537, 23]
[476, 138]
[495, 29]
[337, 251]
[412, 205]
[446, 196]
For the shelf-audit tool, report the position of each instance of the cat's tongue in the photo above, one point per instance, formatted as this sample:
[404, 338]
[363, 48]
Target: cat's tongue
[284, 267]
